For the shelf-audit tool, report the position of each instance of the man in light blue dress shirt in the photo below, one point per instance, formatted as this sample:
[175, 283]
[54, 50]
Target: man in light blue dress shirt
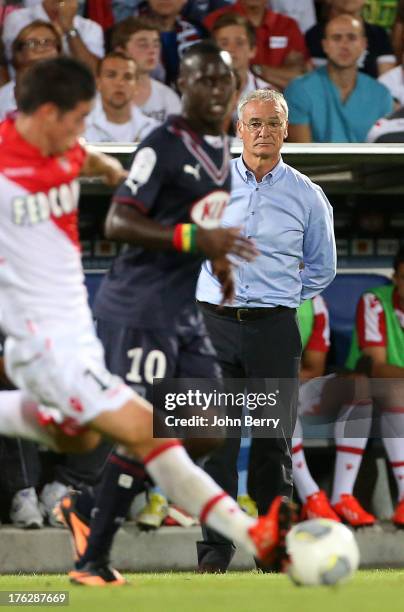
[257, 336]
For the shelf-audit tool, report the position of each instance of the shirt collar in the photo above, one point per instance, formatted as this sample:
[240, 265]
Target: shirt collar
[269, 178]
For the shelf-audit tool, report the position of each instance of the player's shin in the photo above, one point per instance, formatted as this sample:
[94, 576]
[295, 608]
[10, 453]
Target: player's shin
[192, 489]
[123, 478]
[351, 436]
[303, 480]
[19, 419]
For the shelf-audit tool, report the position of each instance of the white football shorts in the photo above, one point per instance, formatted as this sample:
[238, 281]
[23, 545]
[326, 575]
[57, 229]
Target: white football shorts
[65, 370]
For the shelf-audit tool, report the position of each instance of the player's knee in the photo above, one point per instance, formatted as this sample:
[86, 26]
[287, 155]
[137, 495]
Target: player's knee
[198, 448]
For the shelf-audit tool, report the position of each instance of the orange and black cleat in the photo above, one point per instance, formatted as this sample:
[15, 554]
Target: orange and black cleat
[97, 574]
[269, 534]
[78, 526]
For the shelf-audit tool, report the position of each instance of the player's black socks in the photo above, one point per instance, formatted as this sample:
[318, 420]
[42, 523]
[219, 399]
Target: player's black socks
[84, 502]
[121, 481]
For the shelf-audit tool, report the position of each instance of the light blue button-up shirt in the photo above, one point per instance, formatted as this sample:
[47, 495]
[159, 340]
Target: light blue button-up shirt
[291, 222]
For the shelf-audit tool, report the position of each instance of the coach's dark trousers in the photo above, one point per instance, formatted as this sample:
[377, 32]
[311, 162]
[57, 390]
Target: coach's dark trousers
[253, 344]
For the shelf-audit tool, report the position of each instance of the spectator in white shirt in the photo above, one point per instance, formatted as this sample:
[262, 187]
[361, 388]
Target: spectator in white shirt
[38, 40]
[82, 38]
[394, 81]
[114, 117]
[140, 39]
[388, 129]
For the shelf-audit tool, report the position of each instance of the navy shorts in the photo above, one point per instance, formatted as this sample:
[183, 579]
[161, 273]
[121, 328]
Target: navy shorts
[139, 355]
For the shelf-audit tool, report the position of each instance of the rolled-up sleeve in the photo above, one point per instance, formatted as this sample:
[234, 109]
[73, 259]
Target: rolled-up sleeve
[319, 251]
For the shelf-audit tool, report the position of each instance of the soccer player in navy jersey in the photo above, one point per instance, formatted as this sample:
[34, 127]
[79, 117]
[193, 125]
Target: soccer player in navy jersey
[168, 213]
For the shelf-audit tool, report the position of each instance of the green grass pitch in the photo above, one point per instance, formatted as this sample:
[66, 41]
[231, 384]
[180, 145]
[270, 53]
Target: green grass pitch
[368, 591]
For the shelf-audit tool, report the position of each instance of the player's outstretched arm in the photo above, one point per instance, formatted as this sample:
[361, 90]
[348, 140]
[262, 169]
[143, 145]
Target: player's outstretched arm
[106, 167]
[127, 224]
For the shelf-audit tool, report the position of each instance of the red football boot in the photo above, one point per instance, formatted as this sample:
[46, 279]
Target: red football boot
[398, 516]
[269, 533]
[318, 506]
[350, 510]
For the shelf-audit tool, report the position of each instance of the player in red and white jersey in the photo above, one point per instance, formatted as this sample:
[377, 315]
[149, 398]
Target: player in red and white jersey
[320, 336]
[380, 337]
[371, 320]
[41, 268]
[315, 501]
[356, 416]
[43, 294]
[52, 354]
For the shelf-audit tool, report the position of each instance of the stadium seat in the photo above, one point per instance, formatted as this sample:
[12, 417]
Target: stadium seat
[342, 298]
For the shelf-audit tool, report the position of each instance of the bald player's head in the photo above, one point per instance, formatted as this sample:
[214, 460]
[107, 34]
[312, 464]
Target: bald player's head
[207, 83]
[344, 41]
[199, 53]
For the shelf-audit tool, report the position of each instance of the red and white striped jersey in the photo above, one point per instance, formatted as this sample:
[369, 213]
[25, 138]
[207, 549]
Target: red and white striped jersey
[320, 335]
[371, 320]
[41, 275]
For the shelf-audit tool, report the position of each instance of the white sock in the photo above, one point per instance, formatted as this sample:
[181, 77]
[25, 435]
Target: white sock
[355, 418]
[18, 418]
[192, 489]
[392, 427]
[302, 478]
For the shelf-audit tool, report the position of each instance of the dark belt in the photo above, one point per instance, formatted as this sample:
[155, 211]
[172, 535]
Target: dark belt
[242, 314]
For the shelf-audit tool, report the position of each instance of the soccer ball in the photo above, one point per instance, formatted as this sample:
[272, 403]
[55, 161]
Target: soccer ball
[321, 552]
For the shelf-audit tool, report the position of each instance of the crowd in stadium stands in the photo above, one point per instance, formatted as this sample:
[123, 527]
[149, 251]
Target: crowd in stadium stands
[328, 55]
[340, 64]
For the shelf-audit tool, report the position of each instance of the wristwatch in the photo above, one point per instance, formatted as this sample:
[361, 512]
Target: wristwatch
[72, 33]
[257, 69]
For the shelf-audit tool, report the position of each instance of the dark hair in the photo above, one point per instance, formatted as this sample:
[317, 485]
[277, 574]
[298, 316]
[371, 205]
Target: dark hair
[202, 47]
[62, 81]
[114, 55]
[234, 19]
[123, 31]
[399, 258]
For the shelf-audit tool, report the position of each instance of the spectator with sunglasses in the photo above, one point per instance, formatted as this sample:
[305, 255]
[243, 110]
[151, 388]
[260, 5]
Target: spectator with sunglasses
[38, 40]
[82, 38]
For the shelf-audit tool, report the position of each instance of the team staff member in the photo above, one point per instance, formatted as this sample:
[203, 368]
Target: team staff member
[291, 222]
